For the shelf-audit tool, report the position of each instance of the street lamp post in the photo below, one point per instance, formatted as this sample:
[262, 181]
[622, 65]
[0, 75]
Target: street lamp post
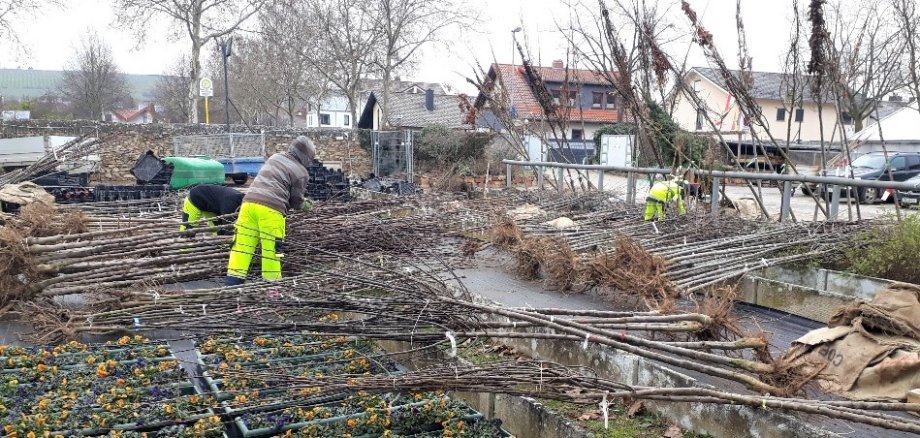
[226, 49]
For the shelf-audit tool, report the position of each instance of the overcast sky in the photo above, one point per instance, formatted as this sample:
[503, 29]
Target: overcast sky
[50, 36]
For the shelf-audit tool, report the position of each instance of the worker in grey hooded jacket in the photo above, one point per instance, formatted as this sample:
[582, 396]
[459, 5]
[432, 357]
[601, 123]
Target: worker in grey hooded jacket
[277, 189]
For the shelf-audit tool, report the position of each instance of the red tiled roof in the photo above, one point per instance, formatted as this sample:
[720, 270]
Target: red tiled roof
[525, 101]
[126, 115]
[572, 75]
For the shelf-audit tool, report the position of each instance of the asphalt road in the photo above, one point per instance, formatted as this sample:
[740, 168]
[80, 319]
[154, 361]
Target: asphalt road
[803, 206]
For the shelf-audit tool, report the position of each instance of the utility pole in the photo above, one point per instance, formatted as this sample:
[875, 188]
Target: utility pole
[226, 49]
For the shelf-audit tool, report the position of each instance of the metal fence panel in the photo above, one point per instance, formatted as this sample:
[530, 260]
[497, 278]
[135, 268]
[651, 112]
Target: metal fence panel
[220, 146]
[393, 154]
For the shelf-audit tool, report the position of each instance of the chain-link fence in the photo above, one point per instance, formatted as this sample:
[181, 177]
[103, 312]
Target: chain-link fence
[393, 154]
[220, 146]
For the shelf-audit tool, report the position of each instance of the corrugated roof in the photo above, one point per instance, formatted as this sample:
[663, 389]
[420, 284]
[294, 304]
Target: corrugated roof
[767, 85]
[30, 84]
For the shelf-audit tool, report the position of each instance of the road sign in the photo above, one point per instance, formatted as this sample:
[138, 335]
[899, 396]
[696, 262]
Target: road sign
[205, 87]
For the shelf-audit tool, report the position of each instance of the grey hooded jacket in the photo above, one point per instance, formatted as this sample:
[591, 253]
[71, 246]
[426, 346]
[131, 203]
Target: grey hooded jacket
[282, 180]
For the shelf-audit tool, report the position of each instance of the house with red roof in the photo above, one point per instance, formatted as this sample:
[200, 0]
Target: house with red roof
[584, 100]
[141, 115]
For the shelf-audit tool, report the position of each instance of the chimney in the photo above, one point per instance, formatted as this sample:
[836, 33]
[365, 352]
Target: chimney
[429, 99]
[558, 64]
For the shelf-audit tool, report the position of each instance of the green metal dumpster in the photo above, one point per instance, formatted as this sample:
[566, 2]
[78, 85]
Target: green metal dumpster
[189, 171]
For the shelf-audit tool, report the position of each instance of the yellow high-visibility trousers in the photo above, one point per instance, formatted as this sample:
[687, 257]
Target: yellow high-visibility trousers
[191, 213]
[654, 209]
[257, 226]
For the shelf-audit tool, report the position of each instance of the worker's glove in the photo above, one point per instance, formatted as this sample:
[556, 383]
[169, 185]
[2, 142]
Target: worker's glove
[307, 205]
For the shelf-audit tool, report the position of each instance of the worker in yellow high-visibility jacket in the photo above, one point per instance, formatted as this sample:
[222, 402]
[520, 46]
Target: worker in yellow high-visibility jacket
[278, 188]
[660, 195]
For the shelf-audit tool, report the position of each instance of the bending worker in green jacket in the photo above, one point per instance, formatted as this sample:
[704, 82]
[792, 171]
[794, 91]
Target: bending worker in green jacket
[661, 194]
[278, 188]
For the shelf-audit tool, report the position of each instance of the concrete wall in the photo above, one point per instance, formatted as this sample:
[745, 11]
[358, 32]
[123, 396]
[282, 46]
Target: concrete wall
[715, 100]
[123, 143]
[811, 293]
[717, 420]
[521, 416]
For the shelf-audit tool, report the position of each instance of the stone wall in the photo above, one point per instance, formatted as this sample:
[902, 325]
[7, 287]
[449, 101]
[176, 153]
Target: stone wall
[122, 143]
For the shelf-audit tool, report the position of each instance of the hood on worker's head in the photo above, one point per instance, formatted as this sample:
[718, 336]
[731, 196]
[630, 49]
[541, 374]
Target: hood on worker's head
[303, 150]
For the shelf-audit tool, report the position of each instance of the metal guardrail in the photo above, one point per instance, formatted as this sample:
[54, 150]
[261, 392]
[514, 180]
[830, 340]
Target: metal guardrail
[834, 183]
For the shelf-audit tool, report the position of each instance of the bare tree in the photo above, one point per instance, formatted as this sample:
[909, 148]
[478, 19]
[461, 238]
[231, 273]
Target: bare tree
[171, 92]
[13, 11]
[294, 44]
[344, 38]
[254, 96]
[405, 27]
[92, 81]
[202, 21]
[908, 21]
[867, 51]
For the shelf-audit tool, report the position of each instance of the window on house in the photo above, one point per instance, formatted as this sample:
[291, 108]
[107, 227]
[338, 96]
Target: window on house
[573, 98]
[597, 100]
[557, 93]
[699, 119]
[799, 115]
[347, 121]
[325, 120]
[578, 134]
[781, 114]
[846, 118]
[611, 101]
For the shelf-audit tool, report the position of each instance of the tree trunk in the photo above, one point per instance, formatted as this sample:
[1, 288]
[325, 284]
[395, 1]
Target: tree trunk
[352, 96]
[193, 86]
[384, 109]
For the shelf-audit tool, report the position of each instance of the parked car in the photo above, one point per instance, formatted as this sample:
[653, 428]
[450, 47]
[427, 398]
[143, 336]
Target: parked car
[900, 166]
[910, 198]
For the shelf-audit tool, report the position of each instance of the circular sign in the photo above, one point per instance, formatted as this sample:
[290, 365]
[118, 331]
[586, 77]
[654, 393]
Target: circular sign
[205, 87]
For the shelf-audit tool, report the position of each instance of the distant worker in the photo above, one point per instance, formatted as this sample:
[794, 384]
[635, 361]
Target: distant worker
[661, 195]
[278, 188]
[208, 201]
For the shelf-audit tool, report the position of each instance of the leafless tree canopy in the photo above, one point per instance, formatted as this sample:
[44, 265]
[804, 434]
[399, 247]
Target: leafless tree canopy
[92, 82]
[907, 20]
[345, 41]
[171, 92]
[866, 51]
[12, 11]
[201, 21]
[404, 27]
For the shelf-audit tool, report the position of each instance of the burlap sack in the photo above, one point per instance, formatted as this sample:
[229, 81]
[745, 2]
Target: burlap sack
[25, 193]
[894, 310]
[871, 350]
